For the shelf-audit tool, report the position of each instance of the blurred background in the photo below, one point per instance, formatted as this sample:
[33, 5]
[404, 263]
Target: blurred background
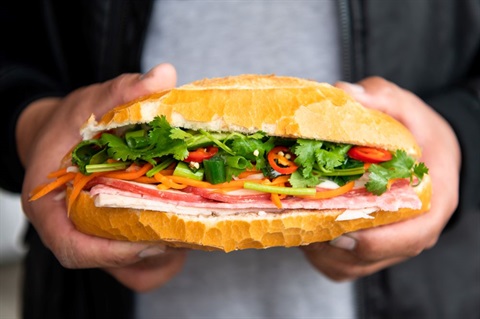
[12, 226]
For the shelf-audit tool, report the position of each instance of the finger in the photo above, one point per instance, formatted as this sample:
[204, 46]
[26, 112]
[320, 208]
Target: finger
[404, 239]
[384, 96]
[376, 93]
[159, 78]
[74, 249]
[129, 87]
[151, 272]
[341, 265]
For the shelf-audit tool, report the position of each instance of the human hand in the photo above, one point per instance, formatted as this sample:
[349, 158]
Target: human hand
[45, 132]
[364, 252]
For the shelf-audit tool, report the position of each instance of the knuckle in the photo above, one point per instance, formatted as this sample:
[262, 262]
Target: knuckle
[432, 242]
[415, 251]
[377, 81]
[368, 251]
[380, 81]
[118, 261]
[116, 84]
[116, 88]
[381, 87]
[66, 256]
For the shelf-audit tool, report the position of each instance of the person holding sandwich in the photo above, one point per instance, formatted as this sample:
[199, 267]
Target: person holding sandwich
[109, 54]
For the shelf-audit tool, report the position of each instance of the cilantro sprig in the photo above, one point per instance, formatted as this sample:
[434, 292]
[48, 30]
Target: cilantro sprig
[318, 160]
[400, 166]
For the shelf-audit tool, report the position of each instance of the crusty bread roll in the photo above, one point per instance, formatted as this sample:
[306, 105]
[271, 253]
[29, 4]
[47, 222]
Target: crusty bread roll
[243, 231]
[279, 106]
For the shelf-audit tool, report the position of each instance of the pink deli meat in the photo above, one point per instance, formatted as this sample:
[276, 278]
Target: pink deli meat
[400, 195]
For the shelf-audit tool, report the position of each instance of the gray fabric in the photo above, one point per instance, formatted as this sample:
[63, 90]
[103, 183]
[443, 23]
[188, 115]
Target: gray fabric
[274, 283]
[217, 38]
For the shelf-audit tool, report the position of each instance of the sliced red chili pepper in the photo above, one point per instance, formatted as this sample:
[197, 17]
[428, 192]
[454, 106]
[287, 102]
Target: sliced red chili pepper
[201, 154]
[282, 159]
[369, 154]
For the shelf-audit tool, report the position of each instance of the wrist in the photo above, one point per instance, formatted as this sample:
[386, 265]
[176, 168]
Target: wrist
[29, 123]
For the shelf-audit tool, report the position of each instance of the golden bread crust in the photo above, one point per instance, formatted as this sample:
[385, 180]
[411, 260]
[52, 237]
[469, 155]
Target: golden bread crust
[294, 228]
[279, 106]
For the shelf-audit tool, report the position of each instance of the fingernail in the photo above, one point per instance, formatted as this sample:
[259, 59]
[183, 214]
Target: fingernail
[344, 242]
[354, 88]
[146, 75]
[152, 251]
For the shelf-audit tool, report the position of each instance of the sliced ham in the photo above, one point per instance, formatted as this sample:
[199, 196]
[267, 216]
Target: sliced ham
[119, 193]
[234, 197]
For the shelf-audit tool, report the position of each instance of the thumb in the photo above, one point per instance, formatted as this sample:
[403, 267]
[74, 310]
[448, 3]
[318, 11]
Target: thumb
[131, 86]
[159, 78]
[377, 93]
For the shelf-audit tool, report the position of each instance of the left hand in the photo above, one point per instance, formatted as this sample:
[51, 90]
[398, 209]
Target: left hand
[46, 131]
[364, 252]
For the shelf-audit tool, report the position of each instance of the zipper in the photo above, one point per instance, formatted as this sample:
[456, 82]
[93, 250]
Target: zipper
[351, 72]
[346, 39]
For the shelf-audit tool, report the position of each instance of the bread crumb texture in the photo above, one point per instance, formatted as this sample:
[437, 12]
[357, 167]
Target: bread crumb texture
[229, 233]
[277, 105]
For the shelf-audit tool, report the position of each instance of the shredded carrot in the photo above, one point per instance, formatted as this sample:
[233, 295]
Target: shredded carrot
[366, 165]
[78, 184]
[280, 180]
[162, 187]
[62, 180]
[145, 180]
[332, 192]
[189, 182]
[276, 200]
[134, 174]
[168, 182]
[167, 172]
[58, 173]
[247, 173]
[232, 184]
[37, 189]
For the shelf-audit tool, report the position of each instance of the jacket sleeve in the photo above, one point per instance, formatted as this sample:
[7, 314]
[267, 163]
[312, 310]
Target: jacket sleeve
[28, 71]
[461, 108]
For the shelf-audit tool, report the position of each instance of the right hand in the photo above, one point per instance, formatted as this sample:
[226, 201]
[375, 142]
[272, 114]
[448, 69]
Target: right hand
[46, 130]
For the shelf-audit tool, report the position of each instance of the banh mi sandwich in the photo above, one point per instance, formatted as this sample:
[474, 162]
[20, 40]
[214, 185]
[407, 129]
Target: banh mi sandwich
[249, 161]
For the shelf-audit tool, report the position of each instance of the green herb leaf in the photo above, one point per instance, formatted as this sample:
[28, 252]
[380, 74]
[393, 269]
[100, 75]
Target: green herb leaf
[305, 151]
[419, 170]
[378, 179]
[159, 144]
[179, 134]
[328, 160]
[297, 180]
[84, 152]
[400, 166]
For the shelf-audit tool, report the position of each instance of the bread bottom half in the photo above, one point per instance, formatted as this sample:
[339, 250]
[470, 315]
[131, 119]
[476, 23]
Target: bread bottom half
[232, 232]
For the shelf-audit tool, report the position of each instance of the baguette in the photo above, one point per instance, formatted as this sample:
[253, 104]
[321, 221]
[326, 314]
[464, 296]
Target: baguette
[283, 107]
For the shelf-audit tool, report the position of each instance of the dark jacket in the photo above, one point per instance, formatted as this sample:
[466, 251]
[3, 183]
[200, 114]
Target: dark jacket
[431, 47]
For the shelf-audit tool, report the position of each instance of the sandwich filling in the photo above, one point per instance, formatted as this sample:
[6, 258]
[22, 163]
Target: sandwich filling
[159, 167]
